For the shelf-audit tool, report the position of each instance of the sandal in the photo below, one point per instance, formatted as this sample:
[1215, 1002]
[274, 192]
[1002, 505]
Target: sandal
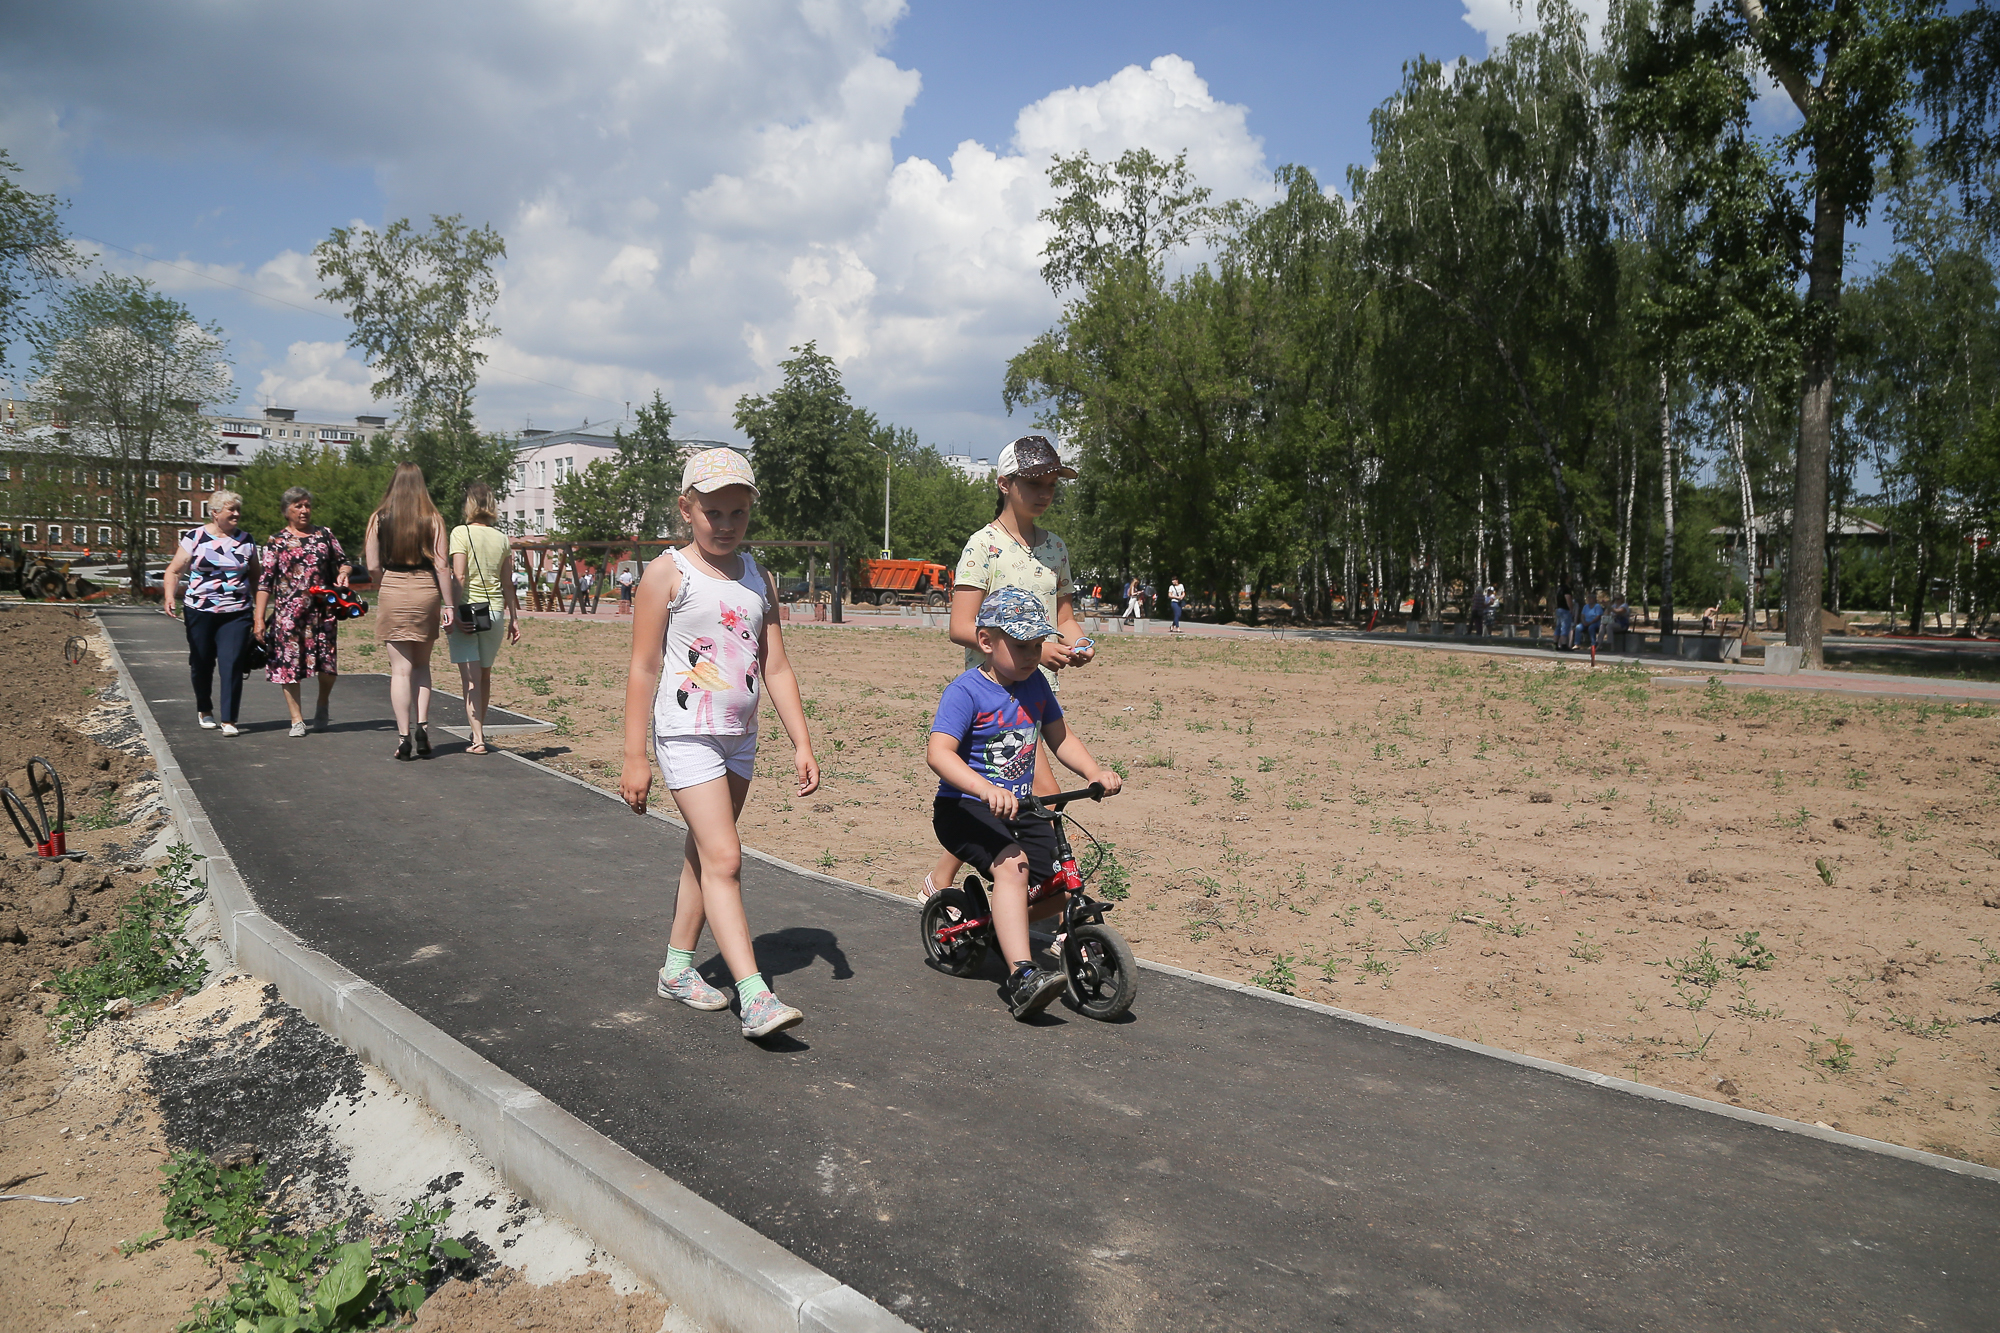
[423, 742]
[403, 747]
[481, 748]
[924, 894]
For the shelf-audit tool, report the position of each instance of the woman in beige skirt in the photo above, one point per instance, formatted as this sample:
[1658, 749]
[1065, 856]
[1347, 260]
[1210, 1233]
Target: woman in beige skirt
[406, 549]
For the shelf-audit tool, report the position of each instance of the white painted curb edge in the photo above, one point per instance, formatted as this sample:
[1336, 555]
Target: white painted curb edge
[1605, 1081]
[719, 1271]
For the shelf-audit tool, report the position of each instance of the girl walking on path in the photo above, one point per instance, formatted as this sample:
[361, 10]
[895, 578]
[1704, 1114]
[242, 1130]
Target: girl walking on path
[704, 634]
[1176, 594]
[1012, 552]
[220, 560]
[305, 638]
[406, 547]
[482, 563]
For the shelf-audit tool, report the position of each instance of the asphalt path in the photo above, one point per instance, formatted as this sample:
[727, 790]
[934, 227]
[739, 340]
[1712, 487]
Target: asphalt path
[1217, 1161]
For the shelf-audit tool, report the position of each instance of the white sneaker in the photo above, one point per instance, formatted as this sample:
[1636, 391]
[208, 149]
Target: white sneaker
[229, 729]
[298, 729]
[207, 722]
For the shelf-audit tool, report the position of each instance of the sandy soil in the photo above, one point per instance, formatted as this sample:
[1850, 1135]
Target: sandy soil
[1529, 854]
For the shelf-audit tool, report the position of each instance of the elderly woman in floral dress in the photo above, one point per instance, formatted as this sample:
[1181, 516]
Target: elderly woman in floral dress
[304, 635]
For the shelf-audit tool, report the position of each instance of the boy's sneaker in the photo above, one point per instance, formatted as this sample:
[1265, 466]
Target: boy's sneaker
[688, 987]
[1028, 993]
[768, 1014]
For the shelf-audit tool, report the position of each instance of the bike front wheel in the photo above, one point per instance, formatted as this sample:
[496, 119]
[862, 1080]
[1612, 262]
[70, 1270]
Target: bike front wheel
[962, 955]
[1103, 975]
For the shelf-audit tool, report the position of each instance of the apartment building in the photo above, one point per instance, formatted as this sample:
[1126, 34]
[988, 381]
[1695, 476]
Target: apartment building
[546, 458]
[54, 501]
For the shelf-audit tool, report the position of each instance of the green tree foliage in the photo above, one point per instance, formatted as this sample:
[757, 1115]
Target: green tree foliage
[1559, 334]
[346, 485]
[594, 505]
[453, 454]
[130, 371]
[634, 494]
[1926, 329]
[418, 302]
[35, 254]
[1859, 73]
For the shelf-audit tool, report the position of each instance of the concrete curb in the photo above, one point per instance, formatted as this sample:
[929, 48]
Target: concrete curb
[1605, 1081]
[715, 1269]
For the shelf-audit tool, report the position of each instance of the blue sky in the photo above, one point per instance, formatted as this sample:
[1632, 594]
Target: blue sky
[688, 187]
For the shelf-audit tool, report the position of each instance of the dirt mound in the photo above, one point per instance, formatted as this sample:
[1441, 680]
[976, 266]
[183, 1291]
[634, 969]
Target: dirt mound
[586, 1304]
[45, 694]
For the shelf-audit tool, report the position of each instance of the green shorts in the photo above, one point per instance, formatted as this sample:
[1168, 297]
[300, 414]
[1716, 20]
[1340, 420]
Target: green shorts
[482, 646]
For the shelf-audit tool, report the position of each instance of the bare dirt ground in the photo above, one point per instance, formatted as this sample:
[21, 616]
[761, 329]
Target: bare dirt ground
[94, 1122]
[1777, 900]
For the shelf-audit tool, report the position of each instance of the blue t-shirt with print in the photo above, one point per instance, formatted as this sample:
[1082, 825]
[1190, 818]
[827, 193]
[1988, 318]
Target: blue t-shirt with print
[996, 727]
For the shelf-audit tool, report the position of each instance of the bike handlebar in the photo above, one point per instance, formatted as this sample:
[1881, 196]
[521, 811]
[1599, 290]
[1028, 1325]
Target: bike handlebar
[1053, 805]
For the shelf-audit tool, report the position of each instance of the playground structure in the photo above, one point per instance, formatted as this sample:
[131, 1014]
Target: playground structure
[573, 577]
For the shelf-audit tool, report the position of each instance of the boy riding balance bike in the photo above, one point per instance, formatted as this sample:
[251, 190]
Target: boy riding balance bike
[982, 747]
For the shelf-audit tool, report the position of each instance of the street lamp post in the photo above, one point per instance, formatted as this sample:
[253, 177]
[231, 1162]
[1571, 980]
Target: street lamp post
[888, 463]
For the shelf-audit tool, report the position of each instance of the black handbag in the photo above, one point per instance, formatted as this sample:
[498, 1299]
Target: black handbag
[479, 615]
[255, 657]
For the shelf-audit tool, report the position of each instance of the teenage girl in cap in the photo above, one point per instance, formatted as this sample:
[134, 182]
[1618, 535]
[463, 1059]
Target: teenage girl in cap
[703, 638]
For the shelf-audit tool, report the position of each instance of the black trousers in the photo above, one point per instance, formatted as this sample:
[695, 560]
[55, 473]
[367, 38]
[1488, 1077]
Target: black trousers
[216, 639]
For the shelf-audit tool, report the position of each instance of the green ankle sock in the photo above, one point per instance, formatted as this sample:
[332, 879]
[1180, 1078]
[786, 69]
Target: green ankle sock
[679, 961]
[751, 987]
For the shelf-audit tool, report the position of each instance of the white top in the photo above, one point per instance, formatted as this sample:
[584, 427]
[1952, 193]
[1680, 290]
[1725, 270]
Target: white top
[708, 686]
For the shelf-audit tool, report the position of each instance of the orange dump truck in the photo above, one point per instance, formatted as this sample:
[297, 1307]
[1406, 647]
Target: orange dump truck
[903, 583]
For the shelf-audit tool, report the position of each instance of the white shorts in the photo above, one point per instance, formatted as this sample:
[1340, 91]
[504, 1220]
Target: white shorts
[689, 761]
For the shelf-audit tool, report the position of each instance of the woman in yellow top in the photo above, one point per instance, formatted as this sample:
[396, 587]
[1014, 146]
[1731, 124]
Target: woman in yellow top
[482, 567]
[1012, 552]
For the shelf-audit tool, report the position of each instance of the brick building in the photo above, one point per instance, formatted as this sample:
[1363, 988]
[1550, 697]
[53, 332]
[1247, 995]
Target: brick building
[53, 500]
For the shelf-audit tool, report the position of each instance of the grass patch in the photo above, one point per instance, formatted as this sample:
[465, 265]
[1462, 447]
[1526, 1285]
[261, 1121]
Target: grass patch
[142, 957]
[292, 1283]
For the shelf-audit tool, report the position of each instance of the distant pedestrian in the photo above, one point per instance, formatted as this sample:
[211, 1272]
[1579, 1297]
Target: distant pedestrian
[304, 636]
[1565, 618]
[1621, 619]
[1176, 595]
[220, 560]
[482, 566]
[1588, 634]
[1490, 601]
[1133, 597]
[406, 544]
[705, 646]
[625, 582]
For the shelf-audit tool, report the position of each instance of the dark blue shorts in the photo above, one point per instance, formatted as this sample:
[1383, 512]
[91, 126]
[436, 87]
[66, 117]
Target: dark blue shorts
[975, 835]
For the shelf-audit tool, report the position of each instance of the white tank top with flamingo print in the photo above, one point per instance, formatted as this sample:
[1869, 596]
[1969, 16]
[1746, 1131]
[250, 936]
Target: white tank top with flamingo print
[709, 682]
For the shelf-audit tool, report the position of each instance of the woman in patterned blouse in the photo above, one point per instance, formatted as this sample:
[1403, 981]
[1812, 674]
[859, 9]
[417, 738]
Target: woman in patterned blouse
[220, 561]
[305, 637]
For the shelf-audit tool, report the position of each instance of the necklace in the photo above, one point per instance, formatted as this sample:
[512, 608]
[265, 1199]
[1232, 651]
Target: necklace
[1025, 546]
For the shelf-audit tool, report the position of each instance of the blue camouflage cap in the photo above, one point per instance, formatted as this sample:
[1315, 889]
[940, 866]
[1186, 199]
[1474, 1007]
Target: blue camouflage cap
[1015, 612]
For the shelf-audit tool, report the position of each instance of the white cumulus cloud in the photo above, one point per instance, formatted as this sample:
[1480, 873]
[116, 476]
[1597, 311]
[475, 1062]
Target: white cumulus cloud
[688, 188]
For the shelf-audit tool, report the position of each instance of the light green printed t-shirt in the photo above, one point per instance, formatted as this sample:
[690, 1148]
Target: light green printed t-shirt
[485, 552]
[995, 558]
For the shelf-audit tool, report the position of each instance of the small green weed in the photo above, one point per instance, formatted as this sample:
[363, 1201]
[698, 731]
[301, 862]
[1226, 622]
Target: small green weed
[1839, 1055]
[1426, 940]
[1752, 954]
[541, 685]
[1118, 766]
[1825, 871]
[142, 957]
[826, 860]
[1108, 876]
[1237, 791]
[1929, 1030]
[1586, 948]
[1278, 976]
[1700, 968]
[1265, 763]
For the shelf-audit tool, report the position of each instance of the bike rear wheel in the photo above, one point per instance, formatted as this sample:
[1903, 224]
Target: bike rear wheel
[1103, 975]
[962, 956]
